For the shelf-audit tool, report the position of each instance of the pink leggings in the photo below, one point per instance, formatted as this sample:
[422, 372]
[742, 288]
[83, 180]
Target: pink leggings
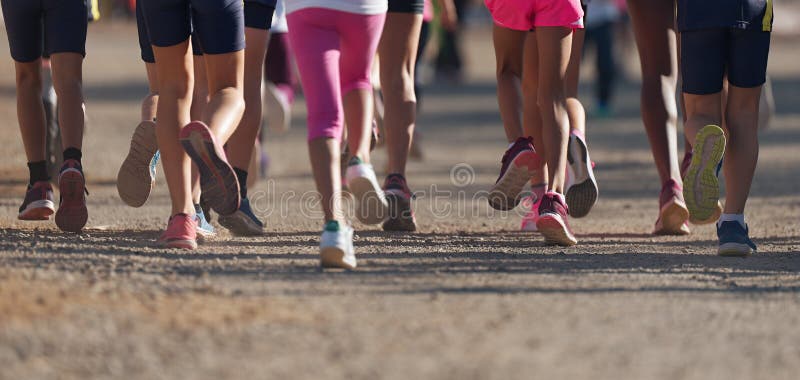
[334, 52]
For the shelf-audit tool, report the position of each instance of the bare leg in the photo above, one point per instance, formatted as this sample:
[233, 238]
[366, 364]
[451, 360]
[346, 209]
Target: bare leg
[653, 24]
[68, 83]
[150, 102]
[358, 119]
[175, 84]
[508, 55]
[241, 142]
[199, 101]
[575, 110]
[554, 45]
[225, 88]
[30, 110]
[741, 154]
[324, 153]
[398, 52]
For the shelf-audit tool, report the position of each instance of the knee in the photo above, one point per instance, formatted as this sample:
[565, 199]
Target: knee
[235, 95]
[29, 76]
[506, 69]
[398, 82]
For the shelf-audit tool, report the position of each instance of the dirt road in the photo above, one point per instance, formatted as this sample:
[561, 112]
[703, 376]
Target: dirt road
[467, 297]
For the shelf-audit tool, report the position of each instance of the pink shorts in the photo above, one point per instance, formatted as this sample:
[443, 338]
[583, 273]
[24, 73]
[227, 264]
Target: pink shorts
[528, 14]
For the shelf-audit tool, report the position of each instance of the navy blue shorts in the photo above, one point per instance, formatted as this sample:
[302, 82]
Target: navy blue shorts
[407, 6]
[45, 27]
[258, 13]
[708, 54]
[218, 24]
[144, 38]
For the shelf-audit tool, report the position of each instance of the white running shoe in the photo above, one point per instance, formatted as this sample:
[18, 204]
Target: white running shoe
[371, 204]
[336, 246]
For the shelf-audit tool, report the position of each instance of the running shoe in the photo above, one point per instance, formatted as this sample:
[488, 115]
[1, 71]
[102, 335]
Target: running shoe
[520, 163]
[336, 246]
[39, 202]
[371, 204]
[278, 106]
[687, 160]
[582, 195]
[137, 175]
[701, 184]
[72, 214]
[204, 228]
[217, 179]
[673, 214]
[401, 216]
[734, 239]
[552, 223]
[243, 222]
[181, 232]
[531, 216]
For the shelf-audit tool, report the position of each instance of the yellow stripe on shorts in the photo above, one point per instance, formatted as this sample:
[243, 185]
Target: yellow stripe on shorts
[766, 23]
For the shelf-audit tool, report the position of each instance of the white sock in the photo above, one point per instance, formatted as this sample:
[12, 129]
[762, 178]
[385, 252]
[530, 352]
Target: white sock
[732, 217]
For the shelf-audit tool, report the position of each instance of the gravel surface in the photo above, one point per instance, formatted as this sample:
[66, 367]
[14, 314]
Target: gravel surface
[468, 297]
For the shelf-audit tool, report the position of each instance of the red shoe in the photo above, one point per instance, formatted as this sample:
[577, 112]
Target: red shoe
[38, 203]
[401, 215]
[520, 163]
[552, 223]
[181, 232]
[673, 216]
[72, 214]
[218, 181]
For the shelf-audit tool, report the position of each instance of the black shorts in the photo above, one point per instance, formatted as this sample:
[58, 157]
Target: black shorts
[708, 54]
[258, 13]
[407, 6]
[45, 27]
[217, 24]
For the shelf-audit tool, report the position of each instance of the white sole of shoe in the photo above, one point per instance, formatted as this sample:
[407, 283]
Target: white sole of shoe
[582, 195]
[371, 205]
[334, 257]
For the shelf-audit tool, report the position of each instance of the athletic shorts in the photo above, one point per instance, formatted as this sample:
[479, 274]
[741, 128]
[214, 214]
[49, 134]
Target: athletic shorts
[44, 27]
[144, 38]
[218, 24]
[527, 15]
[258, 13]
[708, 54]
[407, 6]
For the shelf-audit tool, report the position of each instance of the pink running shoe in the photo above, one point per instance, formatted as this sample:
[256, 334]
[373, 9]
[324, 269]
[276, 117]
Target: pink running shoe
[520, 163]
[552, 223]
[673, 216]
[217, 178]
[532, 216]
[181, 232]
[38, 203]
[401, 215]
[72, 214]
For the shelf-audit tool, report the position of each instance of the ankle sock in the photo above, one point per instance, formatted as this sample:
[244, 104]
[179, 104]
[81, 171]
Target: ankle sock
[241, 175]
[732, 217]
[38, 172]
[72, 154]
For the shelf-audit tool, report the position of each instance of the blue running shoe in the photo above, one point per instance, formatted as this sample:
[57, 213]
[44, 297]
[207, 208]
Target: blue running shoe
[734, 240]
[204, 228]
[243, 222]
